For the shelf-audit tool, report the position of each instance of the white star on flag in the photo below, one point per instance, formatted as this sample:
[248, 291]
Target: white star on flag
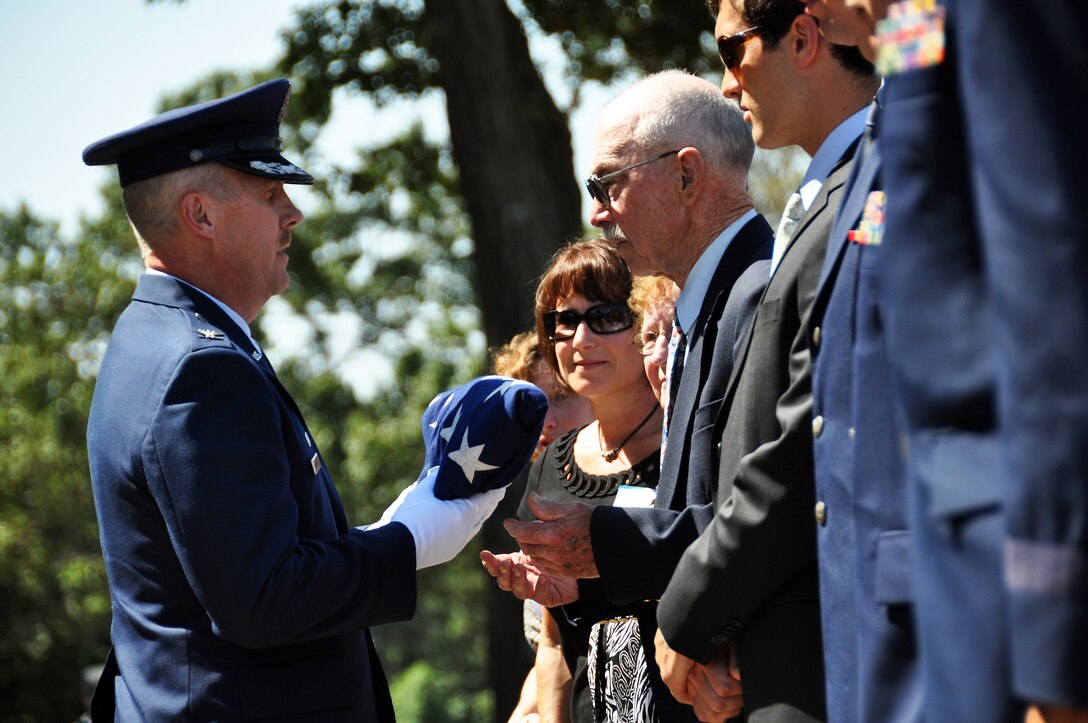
[447, 432]
[503, 387]
[469, 458]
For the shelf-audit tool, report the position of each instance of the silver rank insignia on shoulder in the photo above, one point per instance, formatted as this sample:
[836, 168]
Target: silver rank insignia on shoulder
[209, 334]
[315, 462]
[257, 355]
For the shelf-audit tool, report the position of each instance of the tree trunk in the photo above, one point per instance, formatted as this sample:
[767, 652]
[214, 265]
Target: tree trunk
[512, 146]
[513, 149]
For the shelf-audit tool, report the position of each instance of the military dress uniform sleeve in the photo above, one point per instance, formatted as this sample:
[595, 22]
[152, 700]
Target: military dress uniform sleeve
[254, 518]
[1028, 165]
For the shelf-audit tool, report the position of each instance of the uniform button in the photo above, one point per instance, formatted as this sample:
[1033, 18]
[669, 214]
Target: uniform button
[816, 336]
[817, 425]
[851, 432]
[821, 513]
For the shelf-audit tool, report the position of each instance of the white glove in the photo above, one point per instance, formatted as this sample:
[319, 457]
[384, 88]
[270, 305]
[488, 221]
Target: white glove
[441, 528]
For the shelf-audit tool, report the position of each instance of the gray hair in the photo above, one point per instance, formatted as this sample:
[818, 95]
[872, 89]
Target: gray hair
[151, 205]
[675, 109]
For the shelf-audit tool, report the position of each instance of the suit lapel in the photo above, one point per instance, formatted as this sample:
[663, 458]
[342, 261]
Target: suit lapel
[737, 257]
[834, 181]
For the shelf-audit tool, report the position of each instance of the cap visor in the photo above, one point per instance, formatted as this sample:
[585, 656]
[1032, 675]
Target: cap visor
[268, 165]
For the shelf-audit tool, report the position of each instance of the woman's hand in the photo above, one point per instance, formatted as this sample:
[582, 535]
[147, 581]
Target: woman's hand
[515, 573]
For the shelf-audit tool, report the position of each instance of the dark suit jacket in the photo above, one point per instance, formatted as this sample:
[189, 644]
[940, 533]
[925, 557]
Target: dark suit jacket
[239, 591]
[636, 549]
[863, 538]
[750, 578]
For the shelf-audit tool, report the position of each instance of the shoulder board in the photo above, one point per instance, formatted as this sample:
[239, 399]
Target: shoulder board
[204, 333]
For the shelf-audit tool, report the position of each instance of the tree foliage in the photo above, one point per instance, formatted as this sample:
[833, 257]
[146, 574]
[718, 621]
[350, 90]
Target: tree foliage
[422, 252]
[58, 300]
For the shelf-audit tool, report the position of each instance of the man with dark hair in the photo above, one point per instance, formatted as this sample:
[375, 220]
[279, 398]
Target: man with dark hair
[748, 586]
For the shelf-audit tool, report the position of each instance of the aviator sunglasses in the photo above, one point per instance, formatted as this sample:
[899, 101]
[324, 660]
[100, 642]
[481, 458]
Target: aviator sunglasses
[728, 45]
[596, 185]
[603, 319]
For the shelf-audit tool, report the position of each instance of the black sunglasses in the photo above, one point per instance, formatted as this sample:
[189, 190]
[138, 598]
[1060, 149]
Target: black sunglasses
[595, 184]
[603, 319]
[728, 45]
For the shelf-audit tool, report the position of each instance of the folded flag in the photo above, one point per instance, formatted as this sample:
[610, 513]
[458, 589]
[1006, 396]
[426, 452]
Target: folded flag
[481, 434]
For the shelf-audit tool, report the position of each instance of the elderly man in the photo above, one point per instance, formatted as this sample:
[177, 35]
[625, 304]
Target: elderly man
[239, 591]
[669, 186]
[748, 585]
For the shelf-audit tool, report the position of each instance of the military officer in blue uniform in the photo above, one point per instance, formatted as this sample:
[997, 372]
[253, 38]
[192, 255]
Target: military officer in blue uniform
[239, 589]
[985, 282]
[862, 529]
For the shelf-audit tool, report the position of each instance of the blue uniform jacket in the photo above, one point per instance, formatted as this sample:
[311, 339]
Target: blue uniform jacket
[989, 326]
[862, 530]
[239, 591]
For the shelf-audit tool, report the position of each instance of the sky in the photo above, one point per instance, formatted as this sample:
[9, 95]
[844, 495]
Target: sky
[76, 71]
[79, 70]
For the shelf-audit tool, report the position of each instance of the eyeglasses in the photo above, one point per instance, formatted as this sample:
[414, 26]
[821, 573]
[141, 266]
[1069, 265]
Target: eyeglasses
[728, 45]
[646, 341]
[603, 319]
[595, 184]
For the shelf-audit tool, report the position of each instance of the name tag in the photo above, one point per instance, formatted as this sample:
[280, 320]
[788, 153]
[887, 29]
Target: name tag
[628, 496]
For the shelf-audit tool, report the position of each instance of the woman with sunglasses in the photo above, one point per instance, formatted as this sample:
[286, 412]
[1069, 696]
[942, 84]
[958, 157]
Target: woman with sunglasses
[587, 332]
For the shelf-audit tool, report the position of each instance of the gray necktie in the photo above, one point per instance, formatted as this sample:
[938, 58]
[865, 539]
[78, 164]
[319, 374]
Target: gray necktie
[795, 209]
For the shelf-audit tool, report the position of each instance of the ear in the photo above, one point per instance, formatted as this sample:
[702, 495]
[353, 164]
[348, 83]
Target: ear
[692, 170]
[805, 39]
[196, 215]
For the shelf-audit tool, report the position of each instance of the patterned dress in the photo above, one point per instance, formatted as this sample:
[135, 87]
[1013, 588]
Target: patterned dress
[611, 668]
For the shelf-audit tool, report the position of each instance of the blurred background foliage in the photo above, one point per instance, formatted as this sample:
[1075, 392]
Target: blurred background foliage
[421, 255]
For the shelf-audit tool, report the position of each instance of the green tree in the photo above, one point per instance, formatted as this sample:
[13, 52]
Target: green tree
[422, 252]
[58, 301]
[509, 145]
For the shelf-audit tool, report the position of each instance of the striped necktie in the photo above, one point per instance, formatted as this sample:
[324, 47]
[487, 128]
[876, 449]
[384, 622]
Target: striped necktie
[678, 346]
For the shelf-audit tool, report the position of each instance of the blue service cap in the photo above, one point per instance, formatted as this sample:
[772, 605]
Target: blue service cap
[241, 131]
[481, 434]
